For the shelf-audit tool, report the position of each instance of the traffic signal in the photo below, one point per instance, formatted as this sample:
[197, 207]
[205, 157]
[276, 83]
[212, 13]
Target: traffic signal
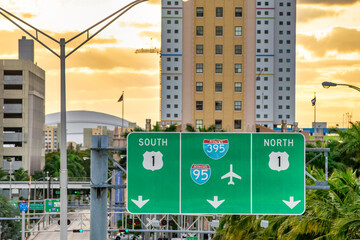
[163, 222]
[130, 221]
[68, 222]
[126, 231]
[171, 223]
[136, 221]
[78, 230]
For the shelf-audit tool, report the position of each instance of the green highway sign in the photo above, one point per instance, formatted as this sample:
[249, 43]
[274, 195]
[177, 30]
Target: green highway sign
[36, 206]
[52, 205]
[216, 173]
[14, 203]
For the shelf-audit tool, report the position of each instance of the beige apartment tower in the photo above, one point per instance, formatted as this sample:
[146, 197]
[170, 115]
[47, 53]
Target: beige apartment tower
[218, 64]
[22, 115]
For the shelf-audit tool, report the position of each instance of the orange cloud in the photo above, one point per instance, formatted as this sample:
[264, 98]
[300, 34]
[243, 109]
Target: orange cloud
[153, 35]
[155, 2]
[306, 14]
[343, 40]
[137, 25]
[27, 15]
[329, 2]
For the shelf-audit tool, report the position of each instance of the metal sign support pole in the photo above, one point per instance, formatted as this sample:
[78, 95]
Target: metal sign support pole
[99, 170]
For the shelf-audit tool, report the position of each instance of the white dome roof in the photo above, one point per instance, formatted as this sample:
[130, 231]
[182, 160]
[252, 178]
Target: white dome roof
[78, 120]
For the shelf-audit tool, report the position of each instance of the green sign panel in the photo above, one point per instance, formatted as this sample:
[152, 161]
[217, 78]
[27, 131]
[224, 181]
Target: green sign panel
[216, 173]
[52, 205]
[14, 203]
[36, 206]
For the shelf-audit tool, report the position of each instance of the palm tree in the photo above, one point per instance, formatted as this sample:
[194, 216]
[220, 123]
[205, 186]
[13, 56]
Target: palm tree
[3, 175]
[348, 151]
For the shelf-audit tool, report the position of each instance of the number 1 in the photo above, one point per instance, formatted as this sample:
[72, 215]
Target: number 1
[153, 157]
[279, 161]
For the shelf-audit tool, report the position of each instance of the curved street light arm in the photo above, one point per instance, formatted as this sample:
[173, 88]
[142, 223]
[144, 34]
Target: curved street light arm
[88, 29]
[28, 33]
[37, 30]
[350, 86]
[125, 9]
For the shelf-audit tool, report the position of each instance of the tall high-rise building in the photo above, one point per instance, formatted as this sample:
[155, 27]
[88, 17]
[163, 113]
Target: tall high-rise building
[214, 84]
[275, 61]
[22, 113]
[171, 61]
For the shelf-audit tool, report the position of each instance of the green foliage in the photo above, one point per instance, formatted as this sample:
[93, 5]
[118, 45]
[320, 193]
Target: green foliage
[10, 229]
[21, 175]
[3, 175]
[78, 163]
[347, 151]
[333, 214]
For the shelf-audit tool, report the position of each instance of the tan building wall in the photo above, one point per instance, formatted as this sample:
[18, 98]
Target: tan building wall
[22, 117]
[51, 139]
[226, 59]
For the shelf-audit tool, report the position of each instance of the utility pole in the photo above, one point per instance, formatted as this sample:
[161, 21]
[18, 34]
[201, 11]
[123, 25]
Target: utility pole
[62, 43]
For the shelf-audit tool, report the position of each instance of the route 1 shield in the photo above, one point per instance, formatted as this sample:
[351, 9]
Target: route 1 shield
[216, 148]
[200, 173]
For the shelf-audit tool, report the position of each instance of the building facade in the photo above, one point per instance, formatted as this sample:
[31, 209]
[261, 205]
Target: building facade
[171, 61]
[51, 139]
[215, 84]
[22, 95]
[275, 61]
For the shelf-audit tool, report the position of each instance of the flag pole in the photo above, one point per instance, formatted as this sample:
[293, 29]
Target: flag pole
[122, 117]
[315, 128]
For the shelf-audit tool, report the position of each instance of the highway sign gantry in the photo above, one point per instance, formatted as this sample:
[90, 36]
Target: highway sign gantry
[52, 205]
[216, 173]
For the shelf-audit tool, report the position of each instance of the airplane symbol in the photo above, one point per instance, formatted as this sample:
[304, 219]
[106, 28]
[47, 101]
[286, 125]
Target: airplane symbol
[231, 175]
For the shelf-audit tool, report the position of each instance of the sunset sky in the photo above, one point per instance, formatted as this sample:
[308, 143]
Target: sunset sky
[328, 49]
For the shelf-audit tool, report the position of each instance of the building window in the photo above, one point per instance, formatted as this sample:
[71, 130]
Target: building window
[198, 123]
[167, 105]
[218, 105]
[199, 105]
[237, 124]
[218, 87]
[238, 31]
[199, 11]
[218, 30]
[218, 68]
[199, 31]
[238, 87]
[238, 68]
[176, 106]
[238, 49]
[218, 49]
[238, 12]
[237, 105]
[219, 12]
[168, 115]
[176, 115]
[218, 124]
[199, 68]
[199, 49]
[199, 86]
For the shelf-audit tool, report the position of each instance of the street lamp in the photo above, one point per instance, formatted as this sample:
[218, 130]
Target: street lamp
[331, 84]
[62, 56]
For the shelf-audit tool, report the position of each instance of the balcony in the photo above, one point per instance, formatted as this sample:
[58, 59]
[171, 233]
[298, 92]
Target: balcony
[12, 137]
[12, 108]
[15, 165]
[13, 79]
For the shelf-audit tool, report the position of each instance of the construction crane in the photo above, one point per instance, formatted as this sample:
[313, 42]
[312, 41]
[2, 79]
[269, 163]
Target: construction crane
[149, 50]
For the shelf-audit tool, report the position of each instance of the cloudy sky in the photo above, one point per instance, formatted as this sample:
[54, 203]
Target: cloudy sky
[328, 49]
